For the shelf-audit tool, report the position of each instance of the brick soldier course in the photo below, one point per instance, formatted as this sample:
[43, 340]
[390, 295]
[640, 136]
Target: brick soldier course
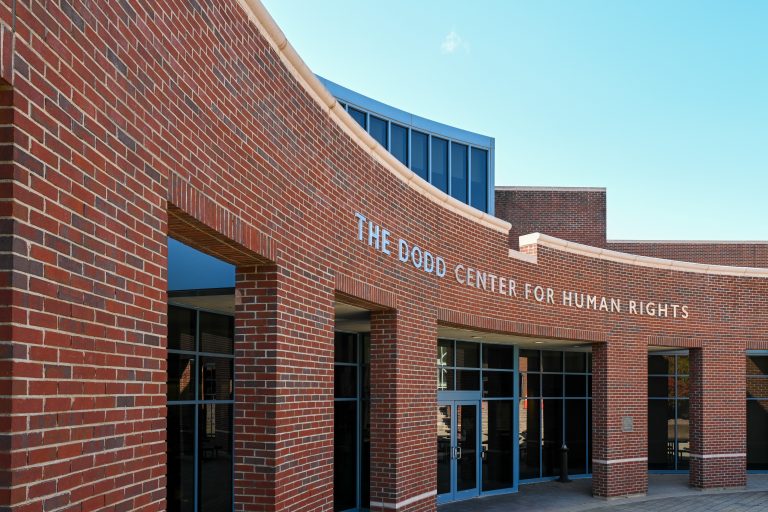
[126, 122]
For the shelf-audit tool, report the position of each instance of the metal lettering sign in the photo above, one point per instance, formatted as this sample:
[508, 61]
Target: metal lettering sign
[383, 241]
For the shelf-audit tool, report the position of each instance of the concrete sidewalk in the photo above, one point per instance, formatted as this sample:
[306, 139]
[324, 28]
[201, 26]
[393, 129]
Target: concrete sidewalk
[665, 493]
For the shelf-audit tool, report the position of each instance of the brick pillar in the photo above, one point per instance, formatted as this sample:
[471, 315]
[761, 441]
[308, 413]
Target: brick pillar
[619, 419]
[403, 409]
[718, 424]
[283, 391]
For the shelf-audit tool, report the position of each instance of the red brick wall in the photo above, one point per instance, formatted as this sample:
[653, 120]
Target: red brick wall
[574, 214]
[739, 254]
[138, 120]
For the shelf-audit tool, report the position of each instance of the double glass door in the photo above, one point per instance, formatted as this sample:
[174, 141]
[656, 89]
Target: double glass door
[458, 440]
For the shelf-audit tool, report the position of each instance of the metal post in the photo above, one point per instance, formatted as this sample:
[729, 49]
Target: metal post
[564, 465]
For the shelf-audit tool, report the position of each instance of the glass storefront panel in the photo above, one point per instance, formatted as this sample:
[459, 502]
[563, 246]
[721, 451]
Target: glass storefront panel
[683, 439]
[217, 333]
[575, 362]
[757, 387]
[668, 423]
[365, 456]
[757, 412]
[529, 438]
[562, 416]
[552, 385]
[551, 361]
[215, 457]
[552, 436]
[576, 435]
[529, 360]
[498, 384]
[345, 348]
[345, 455]
[445, 378]
[345, 381]
[496, 438]
[467, 380]
[757, 365]
[661, 434]
[530, 384]
[661, 387]
[757, 434]
[216, 378]
[181, 458]
[467, 354]
[466, 445]
[661, 365]
[352, 440]
[181, 375]
[501, 357]
[576, 386]
[199, 434]
[181, 328]
[444, 455]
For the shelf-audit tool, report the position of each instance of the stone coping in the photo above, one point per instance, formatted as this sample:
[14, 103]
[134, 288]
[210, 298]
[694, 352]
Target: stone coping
[541, 239]
[314, 87]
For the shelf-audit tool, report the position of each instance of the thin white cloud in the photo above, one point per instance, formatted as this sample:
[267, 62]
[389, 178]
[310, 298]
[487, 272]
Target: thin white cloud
[453, 42]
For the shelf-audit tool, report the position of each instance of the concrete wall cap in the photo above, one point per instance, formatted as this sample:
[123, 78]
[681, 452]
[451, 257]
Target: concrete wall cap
[503, 188]
[260, 17]
[521, 256]
[691, 242]
[642, 261]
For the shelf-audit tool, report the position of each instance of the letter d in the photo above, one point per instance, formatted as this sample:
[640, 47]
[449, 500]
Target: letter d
[402, 252]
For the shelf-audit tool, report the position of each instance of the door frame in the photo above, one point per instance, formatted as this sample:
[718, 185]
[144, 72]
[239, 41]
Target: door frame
[476, 402]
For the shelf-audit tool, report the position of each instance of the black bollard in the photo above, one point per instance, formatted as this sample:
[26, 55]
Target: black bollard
[564, 465]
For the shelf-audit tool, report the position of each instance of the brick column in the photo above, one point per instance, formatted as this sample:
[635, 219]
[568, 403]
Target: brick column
[619, 418]
[283, 391]
[718, 424]
[403, 409]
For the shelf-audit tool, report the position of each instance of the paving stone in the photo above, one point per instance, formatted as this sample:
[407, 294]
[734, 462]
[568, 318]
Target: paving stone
[666, 493]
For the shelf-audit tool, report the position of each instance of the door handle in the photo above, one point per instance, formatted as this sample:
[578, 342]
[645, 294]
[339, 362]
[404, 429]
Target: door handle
[458, 453]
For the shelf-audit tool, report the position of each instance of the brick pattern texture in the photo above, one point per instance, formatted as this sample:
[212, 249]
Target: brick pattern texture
[576, 215]
[130, 121]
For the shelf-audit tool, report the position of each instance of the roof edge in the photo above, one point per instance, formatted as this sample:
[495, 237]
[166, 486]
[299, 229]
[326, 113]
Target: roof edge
[640, 261]
[550, 189]
[692, 242]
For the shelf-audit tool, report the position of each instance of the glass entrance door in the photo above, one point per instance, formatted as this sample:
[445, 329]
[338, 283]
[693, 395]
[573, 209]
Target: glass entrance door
[458, 439]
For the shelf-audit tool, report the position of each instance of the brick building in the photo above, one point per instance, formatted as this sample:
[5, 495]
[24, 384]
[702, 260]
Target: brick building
[361, 334]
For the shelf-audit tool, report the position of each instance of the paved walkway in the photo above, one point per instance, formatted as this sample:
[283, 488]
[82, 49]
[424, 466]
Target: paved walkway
[665, 493]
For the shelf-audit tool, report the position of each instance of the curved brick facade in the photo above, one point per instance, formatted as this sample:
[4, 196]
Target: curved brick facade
[127, 122]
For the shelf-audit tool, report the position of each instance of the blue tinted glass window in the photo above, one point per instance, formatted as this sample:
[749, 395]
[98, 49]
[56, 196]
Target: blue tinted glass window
[359, 116]
[479, 179]
[419, 153]
[459, 171]
[440, 163]
[400, 143]
[378, 130]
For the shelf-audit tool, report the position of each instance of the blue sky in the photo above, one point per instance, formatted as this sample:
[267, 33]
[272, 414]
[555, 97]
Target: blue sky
[664, 103]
